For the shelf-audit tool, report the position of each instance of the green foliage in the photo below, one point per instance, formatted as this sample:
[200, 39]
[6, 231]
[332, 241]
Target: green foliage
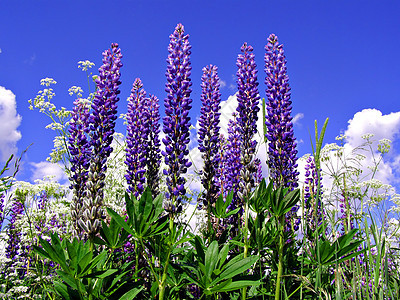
[215, 273]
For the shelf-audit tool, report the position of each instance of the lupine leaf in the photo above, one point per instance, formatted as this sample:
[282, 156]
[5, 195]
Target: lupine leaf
[62, 290]
[67, 279]
[120, 221]
[132, 293]
[235, 268]
[211, 259]
[237, 285]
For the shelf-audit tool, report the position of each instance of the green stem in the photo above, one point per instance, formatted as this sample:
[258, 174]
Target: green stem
[280, 257]
[163, 281]
[246, 244]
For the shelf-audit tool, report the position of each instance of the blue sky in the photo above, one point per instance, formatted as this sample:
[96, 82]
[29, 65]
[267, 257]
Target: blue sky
[343, 58]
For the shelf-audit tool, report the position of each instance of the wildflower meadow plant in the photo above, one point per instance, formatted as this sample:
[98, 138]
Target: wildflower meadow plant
[102, 123]
[61, 245]
[176, 122]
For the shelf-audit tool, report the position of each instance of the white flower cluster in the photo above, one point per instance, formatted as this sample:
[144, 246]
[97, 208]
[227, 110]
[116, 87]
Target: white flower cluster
[85, 65]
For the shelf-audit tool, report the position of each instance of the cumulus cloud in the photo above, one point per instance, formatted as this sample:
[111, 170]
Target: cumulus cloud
[10, 120]
[222, 83]
[372, 121]
[45, 169]
[367, 121]
[297, 118]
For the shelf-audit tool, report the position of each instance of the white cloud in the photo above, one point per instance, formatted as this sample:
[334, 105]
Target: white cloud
[45, 169]
[10, 120]
[372, 121]
[367, 121]
[222, 83]
[0, 51]
[297, 118]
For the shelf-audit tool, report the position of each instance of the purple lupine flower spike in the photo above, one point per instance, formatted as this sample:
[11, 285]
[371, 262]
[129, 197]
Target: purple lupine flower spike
[248, 108]
[282, 153]
[153, 145]
[13, 244]
[102, 123]
[313, 210]
[232, 166]
[176, 123]
[80, 153]
[209, 132]
[137, 131]
[2, 196]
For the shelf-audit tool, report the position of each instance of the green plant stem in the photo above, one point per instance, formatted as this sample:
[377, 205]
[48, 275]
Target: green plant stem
[246, 244]
[280, 257]
[161, 284]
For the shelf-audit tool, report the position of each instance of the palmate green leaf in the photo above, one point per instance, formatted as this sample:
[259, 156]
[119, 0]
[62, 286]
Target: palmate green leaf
[221, 206]
[120, 221]
[52, 254]
[132, 293]
[223, 254]
[129, 208]
[350, 256]
[67, 278]
[93, 263]
[346, 239]
[235, 285]
[199, 248]
[62, 290]
[101, 274]
[235, 268]
[120, 276]
[218, 288]
[211, 259]
[41, 252]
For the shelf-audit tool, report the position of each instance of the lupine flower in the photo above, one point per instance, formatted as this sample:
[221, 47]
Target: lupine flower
[346, 218]
[153, 145]
[137, 131]
[13, 244]
[209, 132]
[259, 175]
[282, 153]
[313, 211]
[2, 196]
[176, 123]
[231, 166]
[43, 199]
[248, 100]
[102, 123]
[80, 153]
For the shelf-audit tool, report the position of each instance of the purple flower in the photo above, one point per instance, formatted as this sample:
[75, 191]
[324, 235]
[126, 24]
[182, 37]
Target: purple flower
[248, 108]
[231, 166]
[102, 123]
[136, 139]
[2, 196]
[80, 153]
[13, 245]
[282, 153]
[313, 210]
[209, 132]
[176, 123]
[153, 144]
